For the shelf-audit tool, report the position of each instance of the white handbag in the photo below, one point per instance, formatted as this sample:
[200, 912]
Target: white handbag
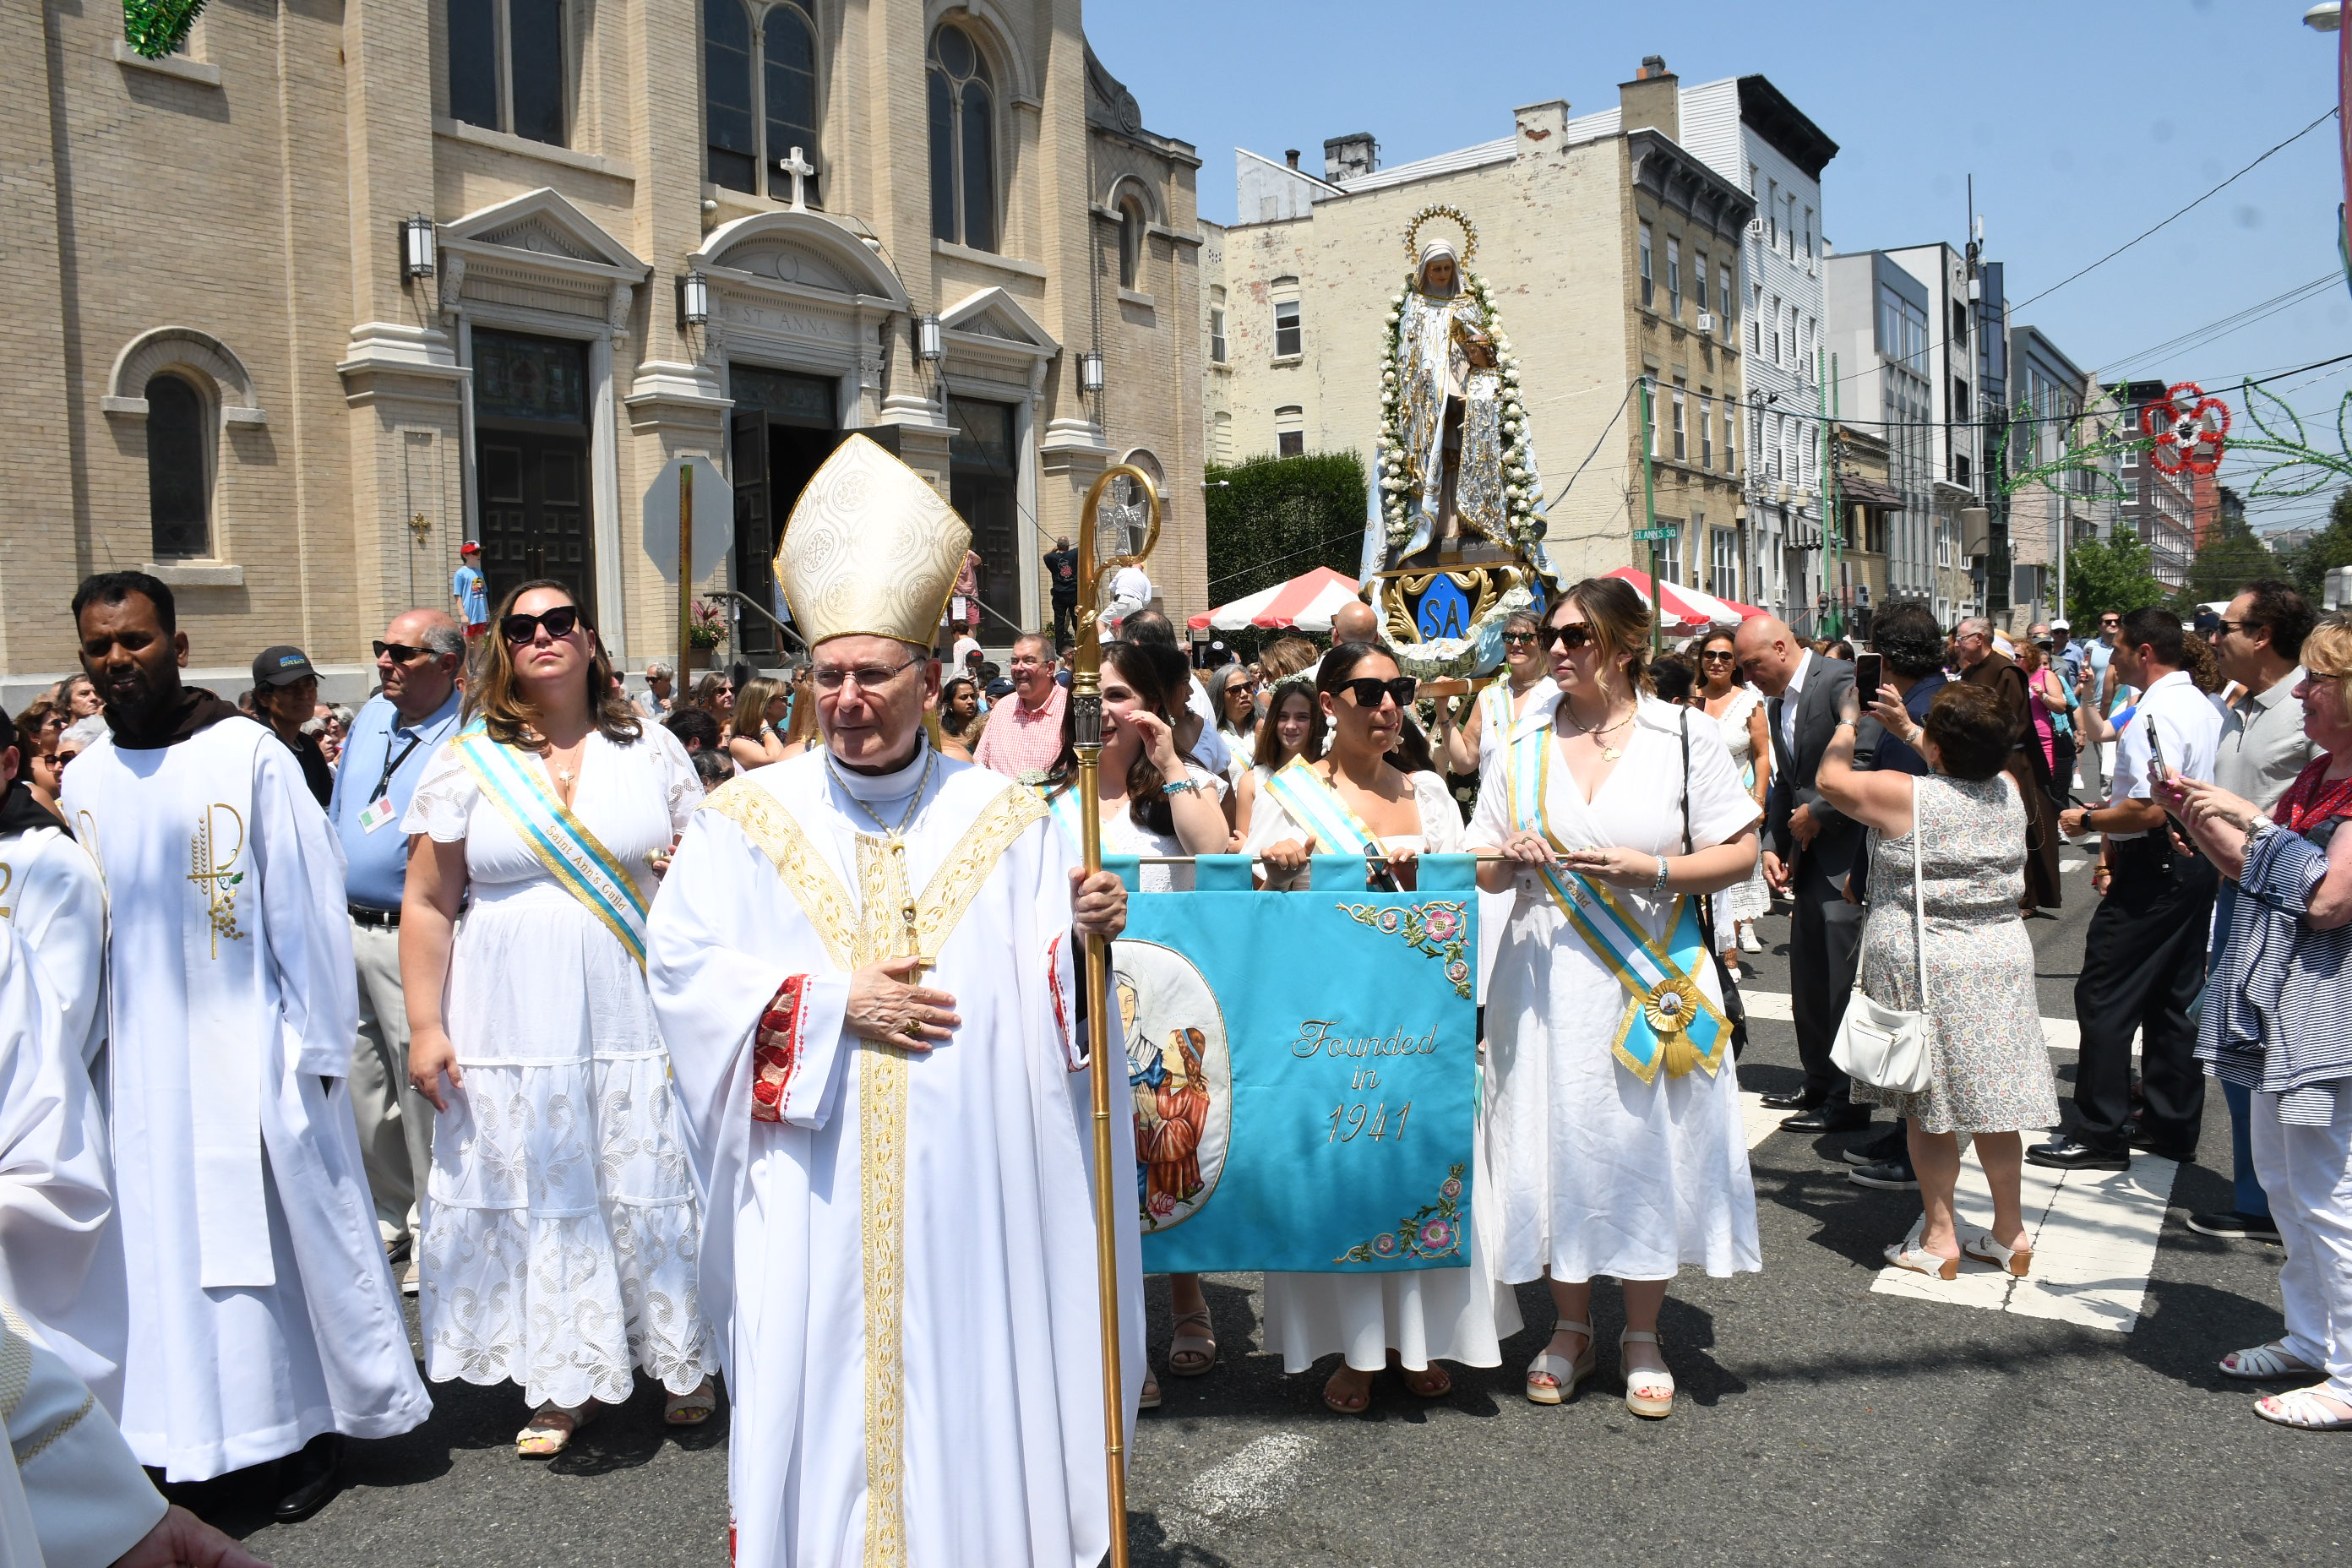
[1887, 1047]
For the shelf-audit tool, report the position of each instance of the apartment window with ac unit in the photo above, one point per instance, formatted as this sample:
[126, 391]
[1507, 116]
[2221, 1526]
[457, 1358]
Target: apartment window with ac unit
[1648, 281]
[1675, 276]
[1682, 440]
[1705, 430]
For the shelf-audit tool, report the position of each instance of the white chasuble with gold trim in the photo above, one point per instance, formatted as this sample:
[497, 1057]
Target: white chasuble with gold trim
[899, 1257]
[231, 1014]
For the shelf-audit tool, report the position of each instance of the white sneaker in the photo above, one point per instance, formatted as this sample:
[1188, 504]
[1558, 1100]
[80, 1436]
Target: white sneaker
[1748, 943]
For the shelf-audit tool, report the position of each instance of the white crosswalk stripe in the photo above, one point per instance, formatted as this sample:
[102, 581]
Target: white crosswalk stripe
[2093, 1233]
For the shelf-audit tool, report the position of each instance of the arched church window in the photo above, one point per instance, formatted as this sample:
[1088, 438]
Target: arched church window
[1131, 242]
[179, 469]
[963, 140]
[507, 70]
[759, 98]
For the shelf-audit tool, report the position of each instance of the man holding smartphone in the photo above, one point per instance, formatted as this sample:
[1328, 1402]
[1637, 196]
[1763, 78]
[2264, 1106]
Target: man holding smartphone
[2144, 958]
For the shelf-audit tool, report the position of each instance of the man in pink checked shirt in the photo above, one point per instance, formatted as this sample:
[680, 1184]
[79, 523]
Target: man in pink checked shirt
[1024, 735]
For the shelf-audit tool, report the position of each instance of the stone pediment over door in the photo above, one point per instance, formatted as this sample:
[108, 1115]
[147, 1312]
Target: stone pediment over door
[991, 327]
[798, 290]
[538, 252]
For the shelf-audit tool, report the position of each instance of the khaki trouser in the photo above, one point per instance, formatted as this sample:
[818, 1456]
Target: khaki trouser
[396, 1122]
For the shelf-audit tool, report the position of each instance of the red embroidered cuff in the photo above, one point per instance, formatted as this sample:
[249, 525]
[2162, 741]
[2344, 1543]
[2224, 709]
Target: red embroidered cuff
[776, 1049]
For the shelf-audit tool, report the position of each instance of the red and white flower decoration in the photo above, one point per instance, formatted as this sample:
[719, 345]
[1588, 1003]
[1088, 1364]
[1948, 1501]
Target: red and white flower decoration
[2188, 428]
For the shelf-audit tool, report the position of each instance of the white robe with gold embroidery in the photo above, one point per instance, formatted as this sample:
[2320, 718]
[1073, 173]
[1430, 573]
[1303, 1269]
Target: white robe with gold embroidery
[902, 1272]
[262, 1314]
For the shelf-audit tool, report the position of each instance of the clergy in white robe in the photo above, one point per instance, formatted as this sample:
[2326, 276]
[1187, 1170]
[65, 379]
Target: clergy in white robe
[50, 891]
[266, 1315]
[899, 1247]
[60, 1248]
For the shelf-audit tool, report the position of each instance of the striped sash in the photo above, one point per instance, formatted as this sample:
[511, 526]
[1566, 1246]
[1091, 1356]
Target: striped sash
[1069, 814]
[1668, 1020]
[1318, 808]
[580, 865]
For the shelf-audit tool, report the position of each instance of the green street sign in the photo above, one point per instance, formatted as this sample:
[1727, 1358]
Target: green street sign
[1656, 533]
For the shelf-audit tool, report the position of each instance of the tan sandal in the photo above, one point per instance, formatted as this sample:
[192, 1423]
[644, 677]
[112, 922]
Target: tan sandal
[691, 1409]
[541, 1438]
[1552, 1379]
[2016, 1263]
[1649, 1390]
[1435, 1382]
[1190, 1355]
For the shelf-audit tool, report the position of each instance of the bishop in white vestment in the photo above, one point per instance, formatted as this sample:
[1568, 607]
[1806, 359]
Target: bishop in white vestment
[898, 1249]
[266, 1315]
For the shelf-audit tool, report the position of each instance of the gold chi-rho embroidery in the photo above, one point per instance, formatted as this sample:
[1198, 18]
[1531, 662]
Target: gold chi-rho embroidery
[217, 873]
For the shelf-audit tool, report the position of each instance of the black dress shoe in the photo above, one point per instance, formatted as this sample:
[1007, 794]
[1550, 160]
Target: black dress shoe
[310, 1477]
[1886, 1176]
[2235, 1226]
[1892, 1144]
[1794, 1099]
[2073, 1154]
[1829, 1117]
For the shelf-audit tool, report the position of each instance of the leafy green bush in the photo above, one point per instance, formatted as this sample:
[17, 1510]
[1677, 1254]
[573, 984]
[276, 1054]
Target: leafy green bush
[1270, 519]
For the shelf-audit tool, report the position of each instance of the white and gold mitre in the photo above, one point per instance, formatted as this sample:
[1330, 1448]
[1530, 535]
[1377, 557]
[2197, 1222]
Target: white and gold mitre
[870, 550]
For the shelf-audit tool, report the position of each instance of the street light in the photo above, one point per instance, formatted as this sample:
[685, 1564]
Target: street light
[1090, 372]
[928, 347]
[2326, 17]
[417, 247]
[694, 300]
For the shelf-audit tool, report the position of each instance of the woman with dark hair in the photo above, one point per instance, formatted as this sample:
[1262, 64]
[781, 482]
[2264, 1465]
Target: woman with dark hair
[1739, 710]
[959, 718]
[1343, 796]
[1153, 802]
[1614, 1140]
[1962, 827]
[560, 1239]
[37, 729]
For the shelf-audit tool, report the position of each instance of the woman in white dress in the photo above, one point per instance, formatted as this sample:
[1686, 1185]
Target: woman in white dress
[1292, 722]
[1153, 802]
[1410, 1319]
[1611, 1135]
[1738, 708]
[560, 1229]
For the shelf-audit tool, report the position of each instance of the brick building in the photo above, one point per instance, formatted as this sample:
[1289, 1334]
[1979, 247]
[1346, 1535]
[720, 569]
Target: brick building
[229, 363]
[1613, 254]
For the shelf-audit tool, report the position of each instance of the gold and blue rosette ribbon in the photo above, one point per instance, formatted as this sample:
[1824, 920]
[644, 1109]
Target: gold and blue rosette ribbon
[581, 865]
[1668, 1020]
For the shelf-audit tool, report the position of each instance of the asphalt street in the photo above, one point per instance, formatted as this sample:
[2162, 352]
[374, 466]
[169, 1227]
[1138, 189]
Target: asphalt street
[1822, 1421]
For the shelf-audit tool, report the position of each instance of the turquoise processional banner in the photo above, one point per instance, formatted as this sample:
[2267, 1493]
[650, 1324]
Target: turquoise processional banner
[1302, 1068]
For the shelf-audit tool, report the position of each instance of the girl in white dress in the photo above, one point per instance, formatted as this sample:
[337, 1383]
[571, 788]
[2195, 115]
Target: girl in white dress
[1153, 802]
[1607, 1148]
[561, 1233]
[1738, 708]
[1421, 1316]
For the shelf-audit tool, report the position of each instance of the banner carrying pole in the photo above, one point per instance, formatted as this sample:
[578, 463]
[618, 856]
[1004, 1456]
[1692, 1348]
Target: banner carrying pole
[1085, 720]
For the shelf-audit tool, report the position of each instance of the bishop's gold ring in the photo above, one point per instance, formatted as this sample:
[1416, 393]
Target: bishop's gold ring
[912, 1028]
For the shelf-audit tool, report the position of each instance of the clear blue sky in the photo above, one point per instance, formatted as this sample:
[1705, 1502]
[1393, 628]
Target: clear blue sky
[2083, 121]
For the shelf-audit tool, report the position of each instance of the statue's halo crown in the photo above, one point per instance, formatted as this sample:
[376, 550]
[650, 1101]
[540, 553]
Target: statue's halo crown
[1457, 216]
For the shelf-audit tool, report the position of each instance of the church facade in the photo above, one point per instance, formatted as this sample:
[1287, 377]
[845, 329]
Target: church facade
[295, 312]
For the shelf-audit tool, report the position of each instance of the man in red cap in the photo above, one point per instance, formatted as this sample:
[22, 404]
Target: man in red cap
[472, 594]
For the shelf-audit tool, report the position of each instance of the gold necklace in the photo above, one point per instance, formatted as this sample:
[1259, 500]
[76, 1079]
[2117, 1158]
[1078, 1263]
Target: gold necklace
[1608, 753]
[894, 834]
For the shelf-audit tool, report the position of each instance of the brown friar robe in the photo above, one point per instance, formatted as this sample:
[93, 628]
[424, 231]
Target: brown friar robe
[2030, 769]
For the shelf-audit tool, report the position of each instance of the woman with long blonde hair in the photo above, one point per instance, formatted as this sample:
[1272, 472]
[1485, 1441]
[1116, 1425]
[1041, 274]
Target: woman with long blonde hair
[758, 708]
[560, 1239]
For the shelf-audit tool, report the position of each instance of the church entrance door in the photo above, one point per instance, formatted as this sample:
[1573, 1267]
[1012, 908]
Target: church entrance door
[982, 486]
[785, 429]
[530, 436]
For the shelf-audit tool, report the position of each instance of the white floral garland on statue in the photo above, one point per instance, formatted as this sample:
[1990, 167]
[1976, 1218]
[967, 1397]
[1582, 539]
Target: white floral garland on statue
[1521, 489]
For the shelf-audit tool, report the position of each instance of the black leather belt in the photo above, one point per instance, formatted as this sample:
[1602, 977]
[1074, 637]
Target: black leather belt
[381, 920]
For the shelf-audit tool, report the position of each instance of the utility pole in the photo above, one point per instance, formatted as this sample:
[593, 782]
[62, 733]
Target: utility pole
[1650, 517]
[1832, 505]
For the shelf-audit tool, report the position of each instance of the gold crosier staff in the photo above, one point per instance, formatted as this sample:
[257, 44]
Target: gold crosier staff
[1085, 714]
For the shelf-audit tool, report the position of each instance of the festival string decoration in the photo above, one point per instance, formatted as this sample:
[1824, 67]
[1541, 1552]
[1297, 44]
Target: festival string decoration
[2187, 427]
[2189, 431]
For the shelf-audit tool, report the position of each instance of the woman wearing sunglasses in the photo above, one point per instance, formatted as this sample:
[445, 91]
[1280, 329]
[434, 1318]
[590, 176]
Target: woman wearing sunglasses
[560, 1242]
[1739, 708]
[1342, 795]
[1612, 1129]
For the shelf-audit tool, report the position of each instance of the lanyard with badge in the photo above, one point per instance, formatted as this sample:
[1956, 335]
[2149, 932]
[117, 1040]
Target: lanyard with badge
[379, 809]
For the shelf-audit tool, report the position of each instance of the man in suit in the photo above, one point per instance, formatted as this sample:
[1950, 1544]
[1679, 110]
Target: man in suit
[1809, 849]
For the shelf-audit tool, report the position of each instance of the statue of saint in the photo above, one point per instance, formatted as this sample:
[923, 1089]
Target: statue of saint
[1452, 458]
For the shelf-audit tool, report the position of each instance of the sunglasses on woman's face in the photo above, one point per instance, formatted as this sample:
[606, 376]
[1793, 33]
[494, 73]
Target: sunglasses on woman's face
[1712, 656]
[1368, 691]
[1568, 638]
[560, 622]
[1520, 639]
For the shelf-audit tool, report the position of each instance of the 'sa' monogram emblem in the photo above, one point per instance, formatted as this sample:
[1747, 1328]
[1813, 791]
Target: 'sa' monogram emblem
[210, 870]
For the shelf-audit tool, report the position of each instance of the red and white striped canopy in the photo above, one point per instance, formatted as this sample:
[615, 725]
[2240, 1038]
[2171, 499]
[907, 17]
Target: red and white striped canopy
[1307, 603]
[1688, 607]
